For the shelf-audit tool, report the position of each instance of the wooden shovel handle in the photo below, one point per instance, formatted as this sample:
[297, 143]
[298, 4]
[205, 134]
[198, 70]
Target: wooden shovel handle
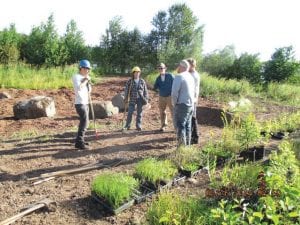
[21, 214]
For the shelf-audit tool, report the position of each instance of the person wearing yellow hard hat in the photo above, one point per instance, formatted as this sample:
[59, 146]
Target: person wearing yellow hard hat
[136, 95]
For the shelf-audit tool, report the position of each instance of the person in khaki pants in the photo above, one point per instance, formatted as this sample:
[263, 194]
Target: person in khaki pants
[164, 83]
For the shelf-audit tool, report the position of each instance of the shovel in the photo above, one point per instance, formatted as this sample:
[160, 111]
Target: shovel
[93, 113]
[40, 204]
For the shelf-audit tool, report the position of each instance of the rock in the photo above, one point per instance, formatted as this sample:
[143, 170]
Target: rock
[192, 180]
[4, 95]
[38, 106]
[103, 110]
[118, 101]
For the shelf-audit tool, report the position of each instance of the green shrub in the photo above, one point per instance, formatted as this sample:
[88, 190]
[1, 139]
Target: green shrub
[248, 134]
[283, 164]
[114, 187]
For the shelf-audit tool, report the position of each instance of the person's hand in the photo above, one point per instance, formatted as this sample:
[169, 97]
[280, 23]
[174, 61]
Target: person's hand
[85, 79]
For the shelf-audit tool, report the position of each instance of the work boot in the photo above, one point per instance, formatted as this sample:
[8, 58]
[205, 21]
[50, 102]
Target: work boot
[81, 146]
[139, 129]
[162, 129]
[125, 128]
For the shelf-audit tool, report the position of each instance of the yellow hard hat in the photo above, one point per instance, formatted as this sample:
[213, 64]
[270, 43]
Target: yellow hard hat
[135, 69]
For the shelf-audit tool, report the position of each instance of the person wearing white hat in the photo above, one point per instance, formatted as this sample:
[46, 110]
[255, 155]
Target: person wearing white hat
[183, 94]
[163, 84]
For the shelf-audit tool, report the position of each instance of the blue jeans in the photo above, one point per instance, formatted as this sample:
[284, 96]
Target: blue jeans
[183, 121]
[83, 112]
[139, 113]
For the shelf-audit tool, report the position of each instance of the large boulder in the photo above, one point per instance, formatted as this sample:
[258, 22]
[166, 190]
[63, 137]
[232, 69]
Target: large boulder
[118, 101]
[103, 110]
[4, 95]
[38, 106]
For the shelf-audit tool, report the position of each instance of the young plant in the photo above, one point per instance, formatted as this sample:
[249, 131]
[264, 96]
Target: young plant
[284, 164]
[188, 158]
[172, 209]
[229, 146]
[116, 188]
[155, 171]
[249, 132]
[242, 176]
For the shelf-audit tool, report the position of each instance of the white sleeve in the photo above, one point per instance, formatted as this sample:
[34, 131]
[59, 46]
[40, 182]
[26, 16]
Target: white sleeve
[175, 89]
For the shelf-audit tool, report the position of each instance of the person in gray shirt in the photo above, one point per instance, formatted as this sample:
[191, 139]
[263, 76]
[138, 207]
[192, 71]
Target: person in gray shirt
[196, 76]
[183, 95]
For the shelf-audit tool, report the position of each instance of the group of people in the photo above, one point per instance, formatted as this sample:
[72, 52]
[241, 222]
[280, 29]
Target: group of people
[179, 93]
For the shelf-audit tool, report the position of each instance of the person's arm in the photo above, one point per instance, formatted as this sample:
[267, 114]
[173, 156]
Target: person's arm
[156, 84]
[175, 89]
[146, 91]
[79, 82]
[126, 91]
[197, 87]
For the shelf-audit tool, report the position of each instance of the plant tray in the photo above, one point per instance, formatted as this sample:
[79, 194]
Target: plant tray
[277, 135]
[159, 186]
[178, 180]
[189, 173]
[253, 154]
[143, 193]
[165, 185]
[109, 207]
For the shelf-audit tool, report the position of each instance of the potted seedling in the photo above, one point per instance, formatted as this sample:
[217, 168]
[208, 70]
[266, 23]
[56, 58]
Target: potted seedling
[248, 135]
[155, 173]
[114, 191]
[189, 160]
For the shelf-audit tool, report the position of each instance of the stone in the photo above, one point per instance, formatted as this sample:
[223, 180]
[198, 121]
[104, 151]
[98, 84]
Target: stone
[36, 107]
[103, 109]
[4, 95]
[118, 101]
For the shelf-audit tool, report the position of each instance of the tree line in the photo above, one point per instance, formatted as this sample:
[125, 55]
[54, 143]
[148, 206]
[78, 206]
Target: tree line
[175, 35]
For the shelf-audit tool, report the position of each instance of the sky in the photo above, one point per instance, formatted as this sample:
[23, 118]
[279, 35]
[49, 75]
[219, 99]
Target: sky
[252, 26]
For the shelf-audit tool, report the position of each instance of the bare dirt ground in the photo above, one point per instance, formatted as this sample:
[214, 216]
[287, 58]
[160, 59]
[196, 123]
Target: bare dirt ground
[29, 148]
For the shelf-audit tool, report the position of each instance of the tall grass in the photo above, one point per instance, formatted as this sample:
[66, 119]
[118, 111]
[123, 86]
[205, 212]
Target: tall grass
[23, 76]
[212, 86]
[284, 93]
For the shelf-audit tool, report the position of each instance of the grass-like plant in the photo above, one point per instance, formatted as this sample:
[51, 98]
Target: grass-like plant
[286, 93]
[24, 76]
[172, 209]
[242, 176]
[22, 135]
[189, 158]
[154, 170]
[116, 188]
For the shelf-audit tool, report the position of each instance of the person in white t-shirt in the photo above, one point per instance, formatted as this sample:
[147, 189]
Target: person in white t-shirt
[196, 76]
[82, 89]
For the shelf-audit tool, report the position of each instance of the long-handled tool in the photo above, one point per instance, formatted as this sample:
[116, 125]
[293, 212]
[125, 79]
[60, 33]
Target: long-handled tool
[126, 103]
[33, 207]
[52, 175]
[92, 109]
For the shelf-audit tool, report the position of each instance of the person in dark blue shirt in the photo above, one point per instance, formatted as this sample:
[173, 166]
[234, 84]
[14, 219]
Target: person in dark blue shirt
[163, 84]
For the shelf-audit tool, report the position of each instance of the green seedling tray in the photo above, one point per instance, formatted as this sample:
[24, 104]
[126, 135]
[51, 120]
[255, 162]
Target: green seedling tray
[110, 208]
